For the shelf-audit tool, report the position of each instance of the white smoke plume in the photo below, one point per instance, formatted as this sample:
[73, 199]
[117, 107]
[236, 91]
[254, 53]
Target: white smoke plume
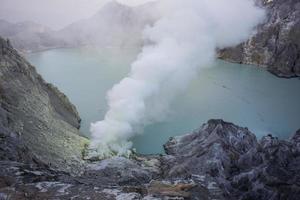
[182, 42]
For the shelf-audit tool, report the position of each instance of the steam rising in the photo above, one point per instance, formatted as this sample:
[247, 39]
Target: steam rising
[181, 43]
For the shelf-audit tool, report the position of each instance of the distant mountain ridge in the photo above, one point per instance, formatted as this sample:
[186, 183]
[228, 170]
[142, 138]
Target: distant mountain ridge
[12, 29]
[29, 36]
[114, 24]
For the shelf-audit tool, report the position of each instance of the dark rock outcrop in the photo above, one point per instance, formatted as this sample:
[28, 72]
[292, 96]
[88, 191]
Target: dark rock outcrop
[276, 44]
[218, 161]
[239, 166]
[36, 120]
[123, 24]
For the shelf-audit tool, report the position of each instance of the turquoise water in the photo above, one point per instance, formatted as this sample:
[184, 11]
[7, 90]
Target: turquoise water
[245, 95]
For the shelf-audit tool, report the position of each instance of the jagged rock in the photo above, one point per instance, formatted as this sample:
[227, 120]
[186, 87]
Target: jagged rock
[211, 149]
[36, 120]
[276, 44]
[218, 161]
[239, 165]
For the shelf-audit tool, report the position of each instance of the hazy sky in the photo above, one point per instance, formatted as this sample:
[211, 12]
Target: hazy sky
[53, 13]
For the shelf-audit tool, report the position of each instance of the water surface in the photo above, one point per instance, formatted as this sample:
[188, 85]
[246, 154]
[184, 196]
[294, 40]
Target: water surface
[242, 94]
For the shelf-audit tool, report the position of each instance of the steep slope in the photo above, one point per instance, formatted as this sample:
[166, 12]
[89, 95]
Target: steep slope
[35, 116]
[276, 45]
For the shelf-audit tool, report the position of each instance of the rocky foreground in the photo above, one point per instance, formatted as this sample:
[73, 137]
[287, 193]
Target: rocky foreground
[41, 153]
[218, 161]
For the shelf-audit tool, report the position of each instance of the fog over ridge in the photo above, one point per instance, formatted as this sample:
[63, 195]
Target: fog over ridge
[55, 14]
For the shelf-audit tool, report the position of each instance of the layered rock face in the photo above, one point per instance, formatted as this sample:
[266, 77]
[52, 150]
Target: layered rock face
[276, 44]
[35, 117]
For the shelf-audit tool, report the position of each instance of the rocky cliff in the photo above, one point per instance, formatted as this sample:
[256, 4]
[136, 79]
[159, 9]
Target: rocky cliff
[276, 44]
[35, 117]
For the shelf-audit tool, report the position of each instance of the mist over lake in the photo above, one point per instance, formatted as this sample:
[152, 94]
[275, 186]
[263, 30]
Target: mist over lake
[242, 94]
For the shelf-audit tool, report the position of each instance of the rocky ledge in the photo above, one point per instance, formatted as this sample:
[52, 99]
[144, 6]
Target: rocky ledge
[276, 44]
[218, 161]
